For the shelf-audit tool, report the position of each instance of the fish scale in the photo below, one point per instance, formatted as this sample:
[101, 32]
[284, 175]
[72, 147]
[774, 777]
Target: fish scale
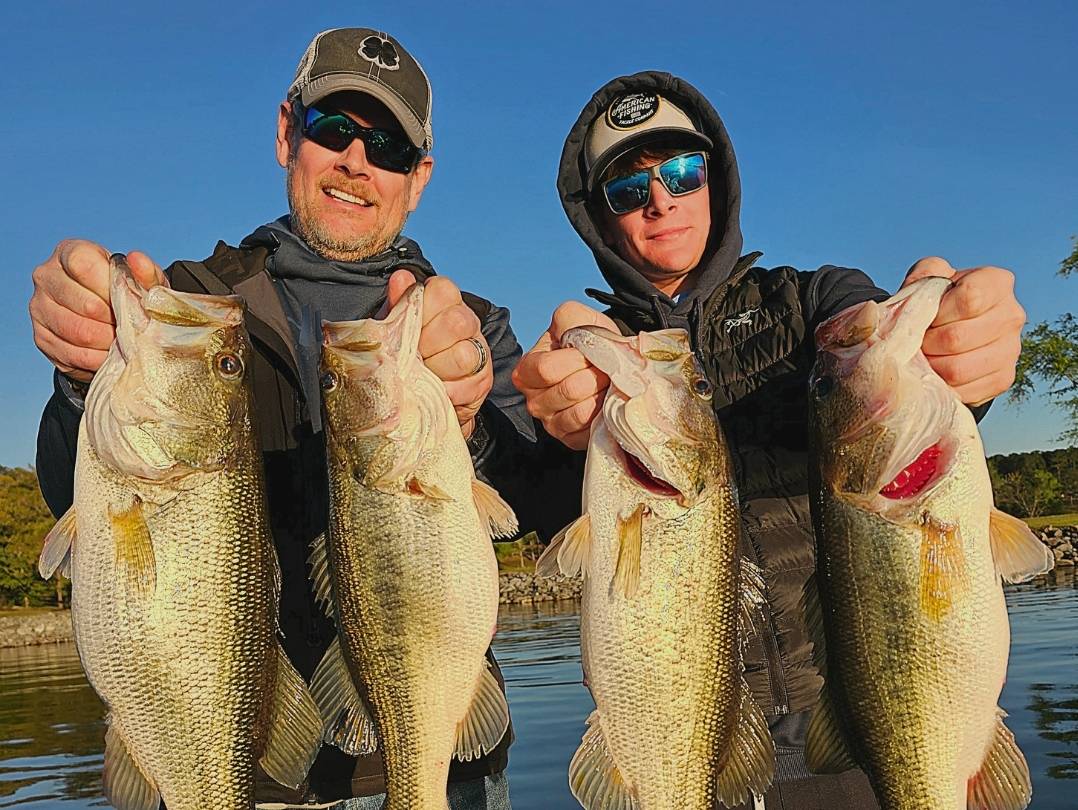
[653, 661]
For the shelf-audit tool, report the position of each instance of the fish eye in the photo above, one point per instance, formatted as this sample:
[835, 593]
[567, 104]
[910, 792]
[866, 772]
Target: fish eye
[822, 386]
[702, 388]
[228, 365]
[328, 381]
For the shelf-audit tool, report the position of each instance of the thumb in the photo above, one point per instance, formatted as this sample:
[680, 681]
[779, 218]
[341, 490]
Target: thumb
[572, 314]
[399, 282]
[145, 270]
[930, 266]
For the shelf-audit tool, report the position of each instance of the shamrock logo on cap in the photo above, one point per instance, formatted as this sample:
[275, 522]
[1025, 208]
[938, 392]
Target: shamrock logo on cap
[380, 51]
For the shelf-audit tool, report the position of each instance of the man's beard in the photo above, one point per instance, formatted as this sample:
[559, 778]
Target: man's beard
[309, 227]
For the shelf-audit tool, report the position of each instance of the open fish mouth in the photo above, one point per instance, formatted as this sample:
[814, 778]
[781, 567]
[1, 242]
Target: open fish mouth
[920, 475]
[639, 473]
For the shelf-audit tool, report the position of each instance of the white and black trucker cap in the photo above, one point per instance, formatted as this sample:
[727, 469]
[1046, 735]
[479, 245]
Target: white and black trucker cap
[630, 121]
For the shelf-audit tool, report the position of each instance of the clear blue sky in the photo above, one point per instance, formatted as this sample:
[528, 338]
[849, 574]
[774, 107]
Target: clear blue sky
[868, 134]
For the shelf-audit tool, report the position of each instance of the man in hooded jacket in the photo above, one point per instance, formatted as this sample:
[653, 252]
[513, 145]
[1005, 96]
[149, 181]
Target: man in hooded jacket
[671, 250]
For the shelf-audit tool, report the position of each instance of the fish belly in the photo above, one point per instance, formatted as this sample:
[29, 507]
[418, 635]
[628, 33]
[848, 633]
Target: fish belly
[664, 665]
[917, 688]
[417, 598]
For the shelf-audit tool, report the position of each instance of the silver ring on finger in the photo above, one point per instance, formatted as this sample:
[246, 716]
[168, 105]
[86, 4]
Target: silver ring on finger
[481, 363]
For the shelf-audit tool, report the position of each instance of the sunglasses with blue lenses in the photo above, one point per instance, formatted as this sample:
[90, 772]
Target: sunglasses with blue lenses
[681, 174]
[334, 130]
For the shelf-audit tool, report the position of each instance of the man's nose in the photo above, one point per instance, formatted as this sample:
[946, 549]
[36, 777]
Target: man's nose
[353, 160]
[660, 201]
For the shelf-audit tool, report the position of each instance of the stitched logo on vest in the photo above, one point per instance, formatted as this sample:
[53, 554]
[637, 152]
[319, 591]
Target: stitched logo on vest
[741, 319]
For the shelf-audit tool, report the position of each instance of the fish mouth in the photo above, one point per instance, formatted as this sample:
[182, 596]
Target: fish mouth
[638, 471]
[919, 475]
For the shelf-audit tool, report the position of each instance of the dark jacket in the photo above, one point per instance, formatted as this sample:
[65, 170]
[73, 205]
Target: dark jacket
[751, 328]
[295, 465]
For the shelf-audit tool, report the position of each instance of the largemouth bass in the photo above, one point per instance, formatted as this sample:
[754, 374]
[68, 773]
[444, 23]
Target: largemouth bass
[173, 573]
[408, 567]
[910, 557]
[665, 590]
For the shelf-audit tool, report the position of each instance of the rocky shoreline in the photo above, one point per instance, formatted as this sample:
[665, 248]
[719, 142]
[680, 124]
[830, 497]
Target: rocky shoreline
[52, 626]
[36, 626]
[1064, 544]
[527, 588]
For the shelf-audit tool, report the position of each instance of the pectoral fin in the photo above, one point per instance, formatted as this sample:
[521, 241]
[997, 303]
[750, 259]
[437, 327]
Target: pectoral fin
[294, 732]
[494, 513]
[1003, 781]
[568, 552]
[486, 721]
[427, 489]
[753, 596]
[826, 749]
[943, 567]
[593, 777]
[135, 563]
[59, 543]
[1018, 553]
[319, 562]
[630, 540]
[125, 785]
[345, 720]
[750, 762]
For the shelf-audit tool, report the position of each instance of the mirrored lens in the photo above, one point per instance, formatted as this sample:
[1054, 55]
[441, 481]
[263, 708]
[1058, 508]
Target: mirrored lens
[331, 131]
[627, 193]
[684, 173]
[390, 151]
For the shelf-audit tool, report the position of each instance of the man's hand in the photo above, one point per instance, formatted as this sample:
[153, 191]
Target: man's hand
[445, 343]
[564, 391]
[975, 340]
[70, 311]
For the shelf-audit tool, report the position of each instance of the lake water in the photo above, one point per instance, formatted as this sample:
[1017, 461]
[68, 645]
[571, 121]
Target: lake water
[51, 727]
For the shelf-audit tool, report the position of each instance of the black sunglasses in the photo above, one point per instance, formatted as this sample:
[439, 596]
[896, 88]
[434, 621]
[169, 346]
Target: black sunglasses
[681, 174]
[334, 130]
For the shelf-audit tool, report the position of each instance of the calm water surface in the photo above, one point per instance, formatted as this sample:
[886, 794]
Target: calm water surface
[52, 732]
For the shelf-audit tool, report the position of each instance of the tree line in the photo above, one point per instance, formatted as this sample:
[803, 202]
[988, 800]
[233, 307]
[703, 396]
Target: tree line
[1042, 482]
[24, 522]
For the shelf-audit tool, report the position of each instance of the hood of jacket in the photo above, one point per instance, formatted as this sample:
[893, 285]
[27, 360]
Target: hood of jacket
[631, 289]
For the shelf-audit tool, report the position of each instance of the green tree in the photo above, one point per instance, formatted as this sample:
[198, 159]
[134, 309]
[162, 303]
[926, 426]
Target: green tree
[1050, 354]
[1070, 264]
[1022, 486]
[24, 522]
